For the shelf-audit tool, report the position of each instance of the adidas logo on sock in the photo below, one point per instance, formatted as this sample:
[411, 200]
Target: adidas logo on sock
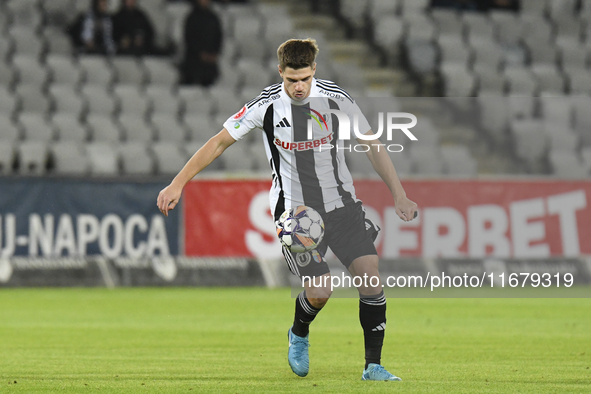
[283, 123]
[381, 327]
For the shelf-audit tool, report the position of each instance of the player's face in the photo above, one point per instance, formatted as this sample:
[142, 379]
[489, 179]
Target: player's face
[298, 82]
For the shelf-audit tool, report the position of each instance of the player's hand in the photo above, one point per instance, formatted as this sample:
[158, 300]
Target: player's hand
[168, 198]
[406, 209]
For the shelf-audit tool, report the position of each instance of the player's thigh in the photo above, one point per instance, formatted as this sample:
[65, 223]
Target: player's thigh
[349, 234]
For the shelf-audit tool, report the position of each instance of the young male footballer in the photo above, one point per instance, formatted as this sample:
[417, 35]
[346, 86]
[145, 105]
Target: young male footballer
[308, 169]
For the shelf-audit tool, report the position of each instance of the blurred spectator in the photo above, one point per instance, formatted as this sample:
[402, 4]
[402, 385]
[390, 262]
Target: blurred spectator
[92, 32]
[203, 43]
[132, 30]
[512, 5]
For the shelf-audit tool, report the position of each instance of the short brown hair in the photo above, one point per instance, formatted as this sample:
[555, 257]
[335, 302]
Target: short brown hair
[297, 54]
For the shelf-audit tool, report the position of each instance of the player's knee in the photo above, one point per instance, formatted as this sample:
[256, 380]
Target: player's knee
[318, 303]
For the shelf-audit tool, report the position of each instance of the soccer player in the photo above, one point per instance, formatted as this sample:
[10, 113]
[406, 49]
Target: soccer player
[313, 174]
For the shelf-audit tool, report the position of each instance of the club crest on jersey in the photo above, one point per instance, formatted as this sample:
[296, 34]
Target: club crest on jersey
[240, 113]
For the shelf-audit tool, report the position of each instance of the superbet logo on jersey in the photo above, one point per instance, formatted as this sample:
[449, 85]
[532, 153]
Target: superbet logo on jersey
[304, 145]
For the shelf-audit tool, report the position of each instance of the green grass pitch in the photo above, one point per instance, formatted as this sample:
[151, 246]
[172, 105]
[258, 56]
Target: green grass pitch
[219, 340]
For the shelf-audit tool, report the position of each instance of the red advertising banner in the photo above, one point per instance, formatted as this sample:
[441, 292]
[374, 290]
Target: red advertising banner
[457, 218]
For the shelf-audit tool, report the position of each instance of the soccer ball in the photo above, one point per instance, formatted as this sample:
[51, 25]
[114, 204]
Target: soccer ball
[300, 229]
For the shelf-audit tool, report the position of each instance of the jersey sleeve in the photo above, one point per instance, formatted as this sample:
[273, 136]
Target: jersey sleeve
[242, 122]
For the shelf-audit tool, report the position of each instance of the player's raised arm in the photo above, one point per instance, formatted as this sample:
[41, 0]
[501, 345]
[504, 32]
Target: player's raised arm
[382, 163]
[169, 197]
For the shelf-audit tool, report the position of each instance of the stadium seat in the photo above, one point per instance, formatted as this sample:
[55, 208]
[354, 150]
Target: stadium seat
[448, 23]
[557, 8]
[380, 8]
[573, 57]
[135, 127]
[132, 100]
[586, 157]
[8, 130]
[458, 81]
[6, 48]
[103, 129]
[129, 71]
[521, 81]
[487, 53]
[521, 106]
[32, 158]
[238, 159]
[161, 71]
[57, 42]
[534, 7]
[58, 12]
[69, 158]
[536, 30]
[579, 82]
[67, 100]
[543, 54]
[388, 35]
[568, 30]
[32, 99]
[530, 140]
[8, 102]
[509, 30]
[426, 160]
[63, 70]
[25, 13]
[30, 71]
[582, 117]
[558, 109]
[100, 101]
[253, 75]
[549, 79]
[566, 165]
[26, 42]
[177, 13]
[561, 137]
[97, 70]
[68, 127]
[168, 128]
[103, 158]
[458, 161]
[169, 157]
[489, 80]
[196, 100]
[259, 156]
[453, 51]
[478, 26]
[227, 103]
[426, 132]
[494, 116]
[410, 7]
[163, 100]
[136, 159]
[354, 12]
[7, 157]
[200, 126]
[35, 127]
[8, 76]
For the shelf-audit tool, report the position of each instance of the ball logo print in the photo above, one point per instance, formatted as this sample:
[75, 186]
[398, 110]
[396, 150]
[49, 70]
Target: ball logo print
[300, 229]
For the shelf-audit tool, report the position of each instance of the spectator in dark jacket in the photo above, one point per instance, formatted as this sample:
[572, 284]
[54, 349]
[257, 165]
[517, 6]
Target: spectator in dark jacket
[92, 32]
[132, 30]
[203, 43]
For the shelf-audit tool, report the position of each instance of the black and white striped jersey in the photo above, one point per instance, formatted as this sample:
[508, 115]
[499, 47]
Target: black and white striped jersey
[306, 171]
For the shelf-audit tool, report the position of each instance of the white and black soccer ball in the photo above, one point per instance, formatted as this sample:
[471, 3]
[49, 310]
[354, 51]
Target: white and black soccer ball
[300, 229]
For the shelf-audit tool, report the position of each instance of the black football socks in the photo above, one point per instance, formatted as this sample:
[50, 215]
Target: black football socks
[304, 315]
[372, 315]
